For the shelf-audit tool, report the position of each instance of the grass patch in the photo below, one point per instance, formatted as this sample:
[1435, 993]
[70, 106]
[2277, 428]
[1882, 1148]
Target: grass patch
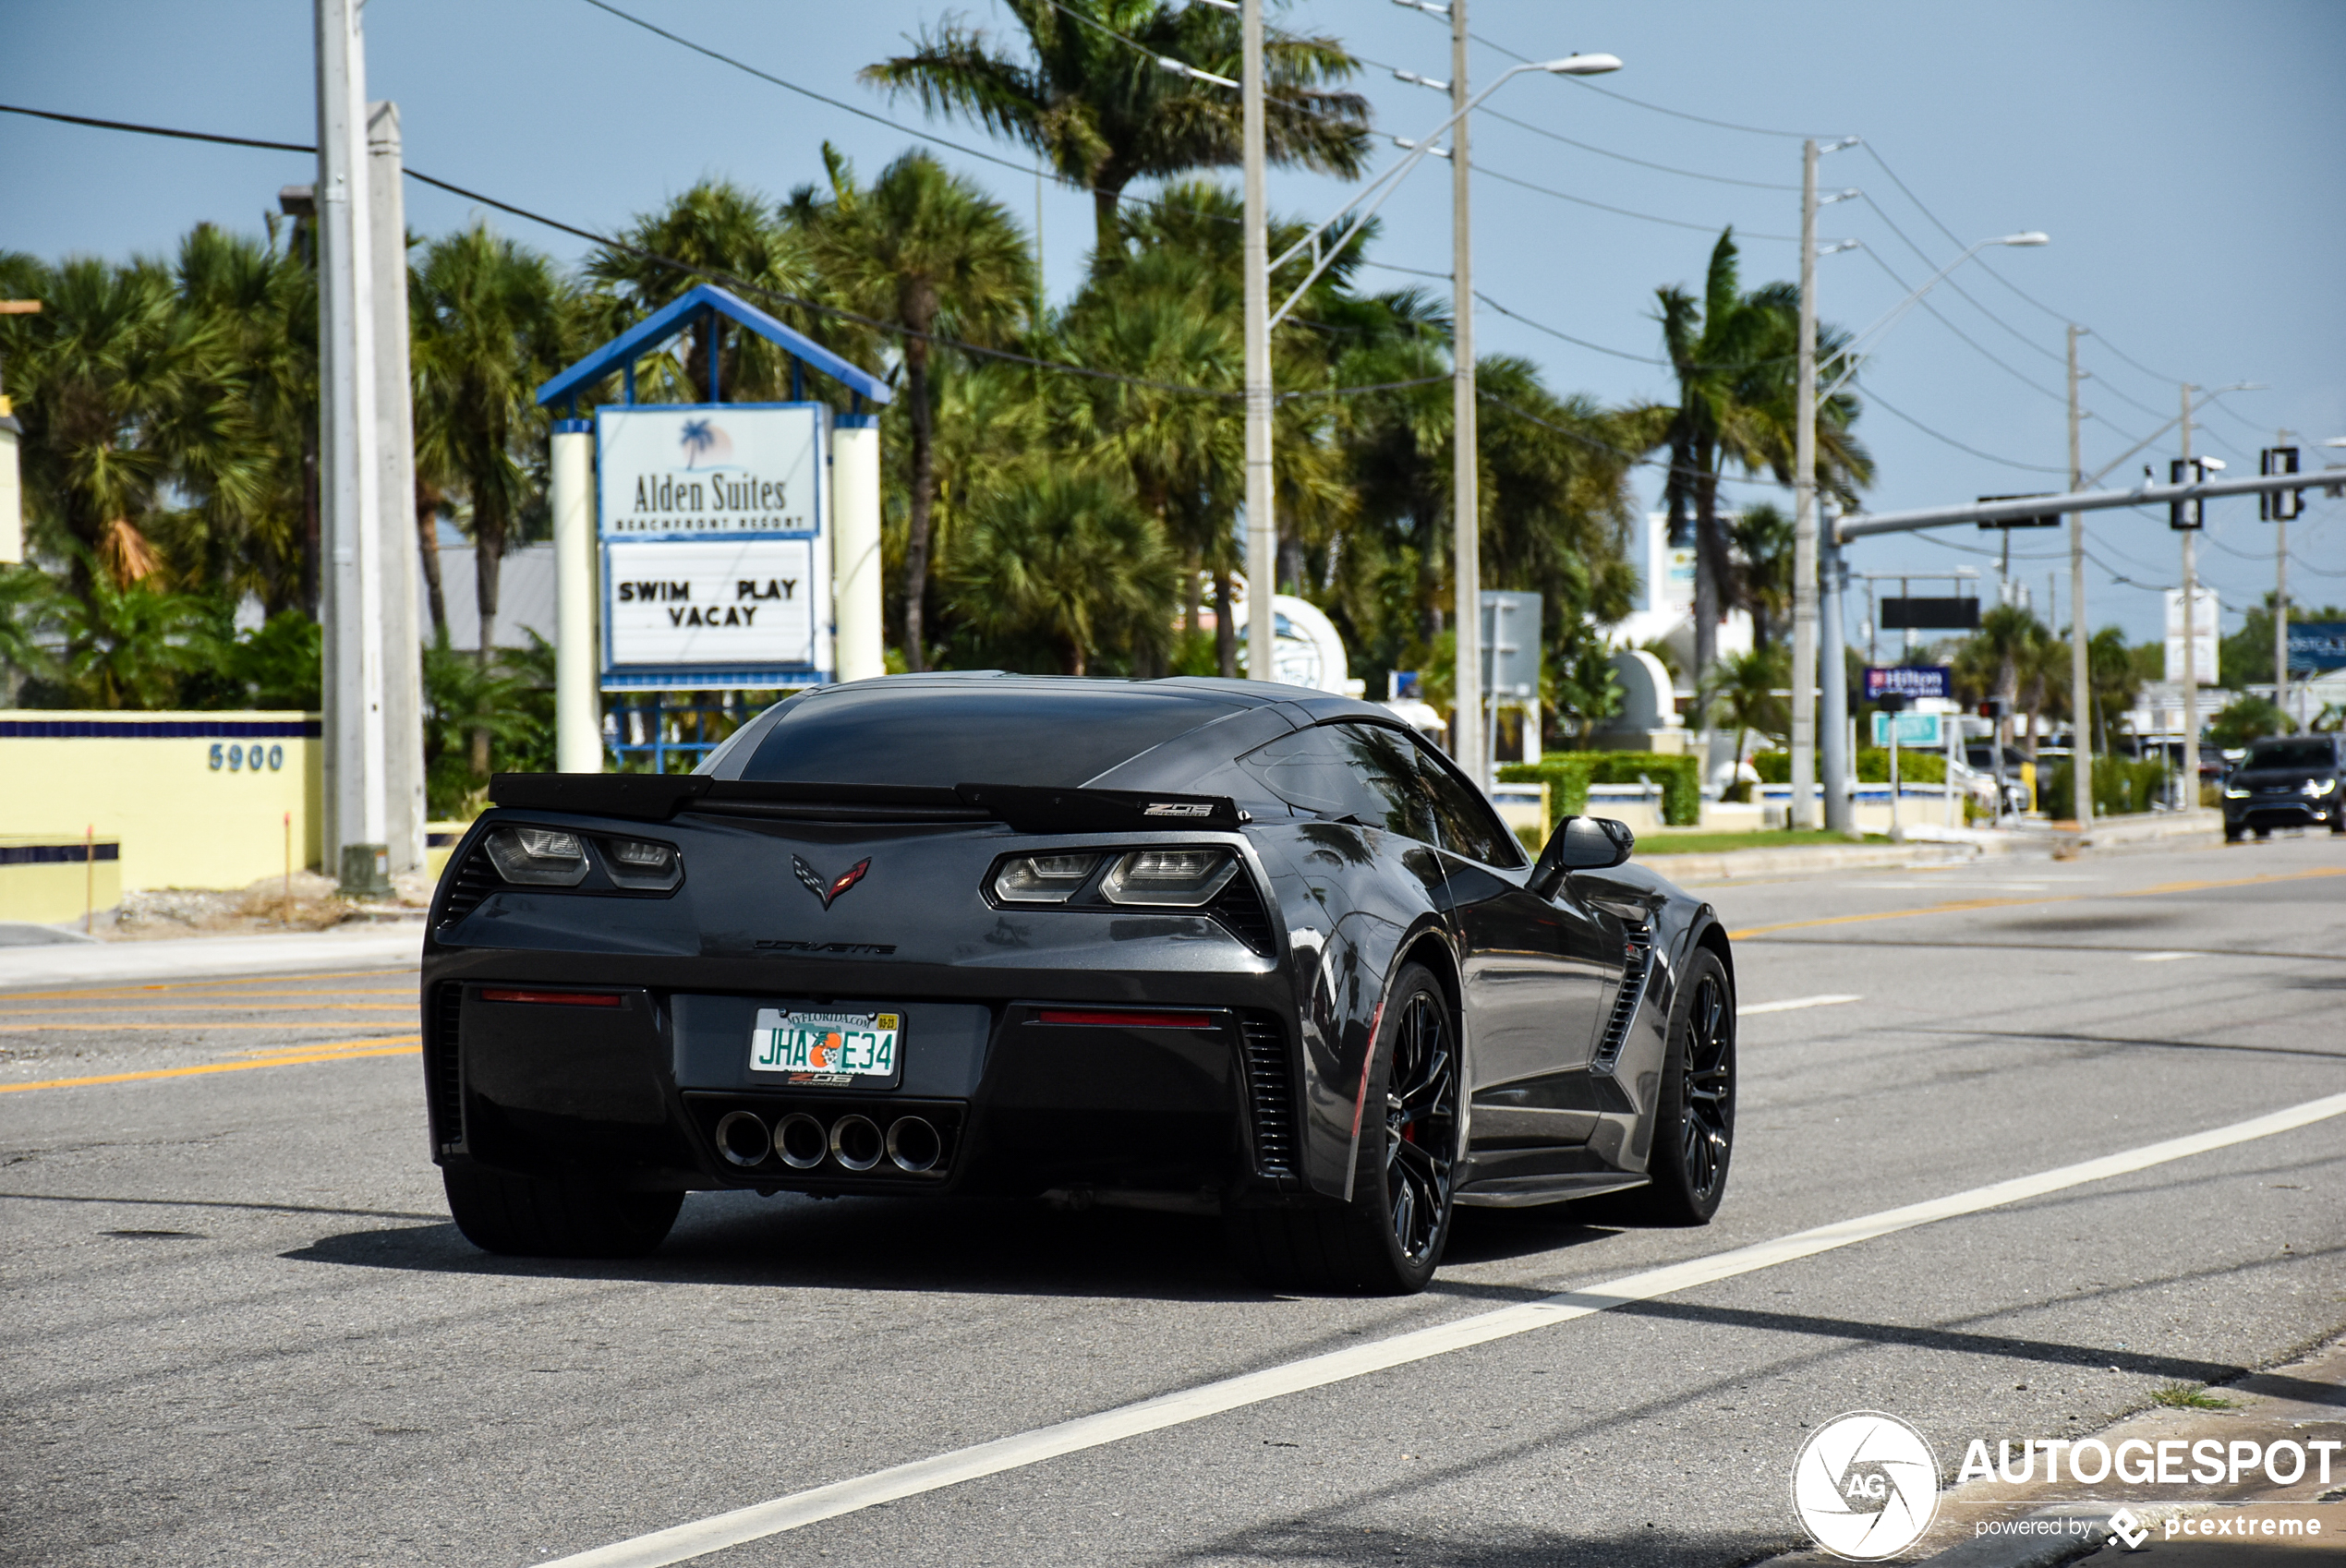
[2183, 1396]
[1697, 843]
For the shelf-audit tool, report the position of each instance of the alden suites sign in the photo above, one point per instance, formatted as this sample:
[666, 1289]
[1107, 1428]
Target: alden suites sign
[711, 520]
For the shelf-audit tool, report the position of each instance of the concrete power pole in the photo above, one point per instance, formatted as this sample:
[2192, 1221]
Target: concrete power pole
[1466, 511]
[1803, 515]
[356, 811]
[396, 435]
[2081, 688]
[1261, 530]
[2191, 626]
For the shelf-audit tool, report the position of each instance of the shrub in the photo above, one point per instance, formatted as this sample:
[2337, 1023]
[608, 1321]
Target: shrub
[2122, 786]
[1873, 766]
[1569, 773]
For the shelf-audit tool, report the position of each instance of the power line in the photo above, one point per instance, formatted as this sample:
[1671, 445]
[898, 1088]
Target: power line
[1675, 113]
[1875, 153]
[1981, 349]
[1624, 157]
[1879, 400]
[714, 275]
[1925, 255]
[1623, 211]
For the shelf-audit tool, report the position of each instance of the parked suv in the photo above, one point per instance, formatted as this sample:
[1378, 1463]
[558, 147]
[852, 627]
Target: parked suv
[2286, 781]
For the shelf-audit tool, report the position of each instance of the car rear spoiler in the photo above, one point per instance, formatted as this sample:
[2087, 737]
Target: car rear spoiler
[657, 797]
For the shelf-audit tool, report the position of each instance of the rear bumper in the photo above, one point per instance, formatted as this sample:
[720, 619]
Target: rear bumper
[1023, 1095]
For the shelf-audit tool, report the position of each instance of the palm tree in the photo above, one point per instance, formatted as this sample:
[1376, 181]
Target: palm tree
[927, 250]
[2110, 666]
[1733, 356]
[1104, 112]
[743, 237]
[1067, 560]
[492, 320]
[1762, 539]
[115, 385]
[1745, 689]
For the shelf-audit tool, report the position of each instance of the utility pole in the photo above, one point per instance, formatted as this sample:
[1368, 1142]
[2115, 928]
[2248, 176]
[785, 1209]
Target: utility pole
[2191, 627]
[1803, 512]
[2081, 749]
[1466, 511]
[1262, 531]
[2280, 593]
[403, 660]
[1832, 747]
[357, 818]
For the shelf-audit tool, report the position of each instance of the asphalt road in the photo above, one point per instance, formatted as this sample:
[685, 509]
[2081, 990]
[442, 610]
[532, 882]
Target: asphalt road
[238, 1328]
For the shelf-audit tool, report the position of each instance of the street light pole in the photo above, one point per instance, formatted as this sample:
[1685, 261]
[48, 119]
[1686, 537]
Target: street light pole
[1803, 512]
[1262, 534]
[2280, 596]
[1466, 516]
[2081, 690]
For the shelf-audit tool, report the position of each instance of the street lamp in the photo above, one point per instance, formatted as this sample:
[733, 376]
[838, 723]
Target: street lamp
[1261, 532]
[1832, 737]
[1854, 351]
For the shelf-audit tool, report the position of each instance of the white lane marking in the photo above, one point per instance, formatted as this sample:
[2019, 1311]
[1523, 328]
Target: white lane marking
[1794, 1005]
[2164, 957]
[681, 1543]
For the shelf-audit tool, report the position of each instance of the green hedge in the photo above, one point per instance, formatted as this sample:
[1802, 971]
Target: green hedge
[1569, 773]
[1873, 766]
[2122, 786]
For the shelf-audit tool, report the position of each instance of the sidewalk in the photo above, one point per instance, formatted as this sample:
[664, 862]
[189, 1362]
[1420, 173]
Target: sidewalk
[195, 957]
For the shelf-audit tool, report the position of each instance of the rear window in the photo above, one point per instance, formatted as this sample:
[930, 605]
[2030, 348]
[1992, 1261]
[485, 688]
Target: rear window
[979, 732]
[2306, 753]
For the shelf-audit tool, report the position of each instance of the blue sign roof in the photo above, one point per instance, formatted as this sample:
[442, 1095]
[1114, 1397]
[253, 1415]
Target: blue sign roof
[673, 317]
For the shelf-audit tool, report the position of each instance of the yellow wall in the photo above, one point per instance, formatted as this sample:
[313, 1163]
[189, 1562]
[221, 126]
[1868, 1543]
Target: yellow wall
[51, 880]
[150, 779]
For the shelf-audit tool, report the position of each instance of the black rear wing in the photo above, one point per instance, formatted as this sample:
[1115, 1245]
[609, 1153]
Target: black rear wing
[657, 797]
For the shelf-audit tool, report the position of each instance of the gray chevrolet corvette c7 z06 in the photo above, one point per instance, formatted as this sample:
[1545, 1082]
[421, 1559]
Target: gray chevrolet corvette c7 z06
[1240, 948]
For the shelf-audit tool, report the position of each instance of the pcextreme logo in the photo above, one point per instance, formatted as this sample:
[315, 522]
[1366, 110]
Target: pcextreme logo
[1866, 1486]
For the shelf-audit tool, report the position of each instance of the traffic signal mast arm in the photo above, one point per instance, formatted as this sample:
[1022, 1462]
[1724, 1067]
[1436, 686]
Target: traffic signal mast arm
[1864, 524]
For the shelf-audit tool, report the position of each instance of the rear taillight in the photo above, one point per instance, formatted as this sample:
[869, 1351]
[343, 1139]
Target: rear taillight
[1042, 879]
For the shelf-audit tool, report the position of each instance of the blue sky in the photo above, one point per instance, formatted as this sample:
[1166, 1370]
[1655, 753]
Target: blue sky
[2173, 152]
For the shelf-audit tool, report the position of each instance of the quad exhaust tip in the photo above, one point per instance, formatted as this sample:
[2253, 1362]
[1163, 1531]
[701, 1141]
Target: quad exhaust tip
[799, 1139]
[913, 1143]
[856, 1144]
[742, 1139]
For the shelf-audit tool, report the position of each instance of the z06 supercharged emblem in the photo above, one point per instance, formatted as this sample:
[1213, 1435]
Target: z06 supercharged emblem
[826, 891]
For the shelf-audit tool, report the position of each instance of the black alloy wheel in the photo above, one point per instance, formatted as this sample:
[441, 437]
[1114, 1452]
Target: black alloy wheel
[1694, 1123]
[1387, 1239]
[1420, 1127]
[1706, 1103]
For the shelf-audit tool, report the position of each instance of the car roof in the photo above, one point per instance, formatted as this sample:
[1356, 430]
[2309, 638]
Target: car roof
[957, 727]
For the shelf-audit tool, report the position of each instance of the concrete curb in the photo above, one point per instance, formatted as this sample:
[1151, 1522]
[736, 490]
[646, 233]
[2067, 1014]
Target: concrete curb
[2162, 830]
[1738, 864]
[191, 957]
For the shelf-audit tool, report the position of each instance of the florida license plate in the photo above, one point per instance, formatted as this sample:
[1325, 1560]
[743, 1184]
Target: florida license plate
[828, 1049]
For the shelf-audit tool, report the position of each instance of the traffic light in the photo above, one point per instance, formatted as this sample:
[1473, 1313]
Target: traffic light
[2280, 506]
[2191, 513]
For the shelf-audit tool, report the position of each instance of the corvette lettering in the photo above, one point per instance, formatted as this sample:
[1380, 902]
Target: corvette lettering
[844, 949]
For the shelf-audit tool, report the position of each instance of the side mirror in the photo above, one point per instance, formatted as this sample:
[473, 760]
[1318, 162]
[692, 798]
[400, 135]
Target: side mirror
[1580, 843]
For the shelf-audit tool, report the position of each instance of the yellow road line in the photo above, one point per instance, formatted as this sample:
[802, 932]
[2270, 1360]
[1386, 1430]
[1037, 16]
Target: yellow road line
[390, 1045]
[1960, 905]
[204, 985]
[318, 1007]
[185, 1027]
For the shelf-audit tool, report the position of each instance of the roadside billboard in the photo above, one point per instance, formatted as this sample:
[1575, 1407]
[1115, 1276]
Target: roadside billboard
[715, 570]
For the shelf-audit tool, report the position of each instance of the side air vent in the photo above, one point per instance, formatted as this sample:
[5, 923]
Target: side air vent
[474, 880]
[1635, 967]
[1240, 909]
[1270, 1092]
[443, 1065]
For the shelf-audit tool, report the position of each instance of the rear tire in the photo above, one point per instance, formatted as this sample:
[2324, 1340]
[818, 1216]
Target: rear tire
[554, 1216]
[1388, 1240]
[2232, 835]
[1694, 1127]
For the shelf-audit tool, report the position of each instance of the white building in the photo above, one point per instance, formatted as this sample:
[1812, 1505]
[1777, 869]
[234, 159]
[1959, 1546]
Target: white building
[1666, 613]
